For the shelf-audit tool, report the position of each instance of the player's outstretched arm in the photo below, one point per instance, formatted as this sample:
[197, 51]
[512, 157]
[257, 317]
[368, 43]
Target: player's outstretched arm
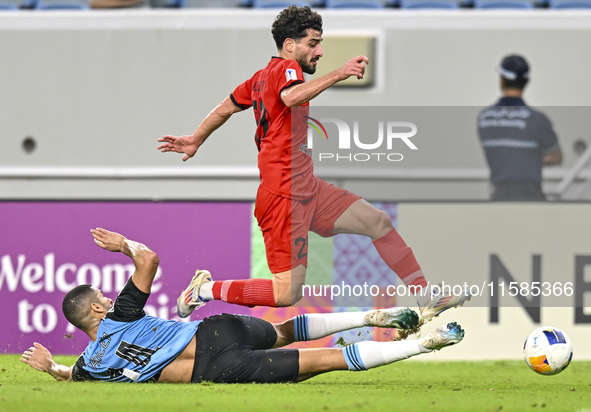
[304, 92]
[190, 144]
[145, 260]
[38, 357]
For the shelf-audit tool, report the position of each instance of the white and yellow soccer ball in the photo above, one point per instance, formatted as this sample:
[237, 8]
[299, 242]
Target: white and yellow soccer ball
[548, 350]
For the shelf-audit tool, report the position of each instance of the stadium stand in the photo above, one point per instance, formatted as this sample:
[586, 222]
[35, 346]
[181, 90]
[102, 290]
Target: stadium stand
[62, 5]
[12, 5]
[278, 4]
[570, 4]
[503, 4]
[9, 5]
[357, 4]
[429, 4]
[206, 3]
[17, 4]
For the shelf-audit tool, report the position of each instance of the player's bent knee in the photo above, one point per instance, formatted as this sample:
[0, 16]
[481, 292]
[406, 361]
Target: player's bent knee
[285, 332]
[379, 224]
[384, 221]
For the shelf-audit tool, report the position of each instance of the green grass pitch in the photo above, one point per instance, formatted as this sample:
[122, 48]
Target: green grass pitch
[404, 386]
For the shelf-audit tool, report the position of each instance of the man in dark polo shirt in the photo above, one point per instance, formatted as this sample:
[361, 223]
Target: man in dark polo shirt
[517, 140]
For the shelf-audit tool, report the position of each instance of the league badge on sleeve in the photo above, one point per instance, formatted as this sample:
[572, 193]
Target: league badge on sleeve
[290, 74]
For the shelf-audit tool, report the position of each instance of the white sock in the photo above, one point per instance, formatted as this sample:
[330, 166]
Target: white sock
[423, 298]
[422, 348]
[206, 292]
[366, 355]
[318, 325]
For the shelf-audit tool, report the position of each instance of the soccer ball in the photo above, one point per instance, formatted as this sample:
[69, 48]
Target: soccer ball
[547, 350]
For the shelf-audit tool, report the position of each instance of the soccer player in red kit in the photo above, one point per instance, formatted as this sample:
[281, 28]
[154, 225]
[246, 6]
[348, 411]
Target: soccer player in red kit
[290, 200]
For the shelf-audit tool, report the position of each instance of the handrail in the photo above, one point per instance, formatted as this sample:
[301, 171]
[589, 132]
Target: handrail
[251, 172]
[109, 172]
[572, 174]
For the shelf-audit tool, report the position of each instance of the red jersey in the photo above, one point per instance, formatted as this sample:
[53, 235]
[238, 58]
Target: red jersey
[285, 163]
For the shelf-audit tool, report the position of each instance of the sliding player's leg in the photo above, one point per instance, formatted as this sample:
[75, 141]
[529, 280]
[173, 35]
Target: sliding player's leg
[235, 348]
[238, 349]
[314, 326]
[367, 355]
[278, 365]
[243, 364]
[364, 219]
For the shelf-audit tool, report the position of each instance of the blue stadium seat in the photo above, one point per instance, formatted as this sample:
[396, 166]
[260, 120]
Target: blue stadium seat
[206, 3]
[62, 5]
[168, 3]
[503, 4]
[17, 4]
[278, 4]
[570, 4]
[355, 4]
[429, 4]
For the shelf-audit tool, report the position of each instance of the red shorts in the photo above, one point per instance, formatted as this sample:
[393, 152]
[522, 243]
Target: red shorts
[285, 223]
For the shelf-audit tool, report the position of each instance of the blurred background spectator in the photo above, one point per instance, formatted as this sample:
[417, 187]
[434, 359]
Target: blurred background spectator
[517, 140]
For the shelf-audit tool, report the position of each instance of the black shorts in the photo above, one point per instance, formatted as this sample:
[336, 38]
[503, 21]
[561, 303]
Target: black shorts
[237, 349]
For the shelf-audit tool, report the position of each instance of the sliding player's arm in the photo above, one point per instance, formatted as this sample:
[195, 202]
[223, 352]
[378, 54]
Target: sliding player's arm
[145, 260]
[190, 144]
[38, 357]
[304, 92]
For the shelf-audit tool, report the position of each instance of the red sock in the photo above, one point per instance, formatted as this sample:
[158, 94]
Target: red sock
[399, 257]
[247, 292]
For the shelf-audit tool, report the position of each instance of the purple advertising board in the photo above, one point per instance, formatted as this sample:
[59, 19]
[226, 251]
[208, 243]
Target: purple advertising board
[46, 249]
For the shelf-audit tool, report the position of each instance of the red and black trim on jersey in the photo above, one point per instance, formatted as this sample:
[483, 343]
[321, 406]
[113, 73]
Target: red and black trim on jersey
[291, 85]
[284, 169]
[238, 105]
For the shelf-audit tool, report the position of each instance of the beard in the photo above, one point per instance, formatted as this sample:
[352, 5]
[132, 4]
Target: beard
[307, 68]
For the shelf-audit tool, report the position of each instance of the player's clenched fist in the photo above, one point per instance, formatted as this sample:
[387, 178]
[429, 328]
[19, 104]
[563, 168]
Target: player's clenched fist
[354, 67]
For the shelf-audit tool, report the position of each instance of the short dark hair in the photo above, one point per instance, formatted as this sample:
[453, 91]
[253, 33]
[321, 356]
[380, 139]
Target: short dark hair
[293, 23]
[515, 84]
[75, 305]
